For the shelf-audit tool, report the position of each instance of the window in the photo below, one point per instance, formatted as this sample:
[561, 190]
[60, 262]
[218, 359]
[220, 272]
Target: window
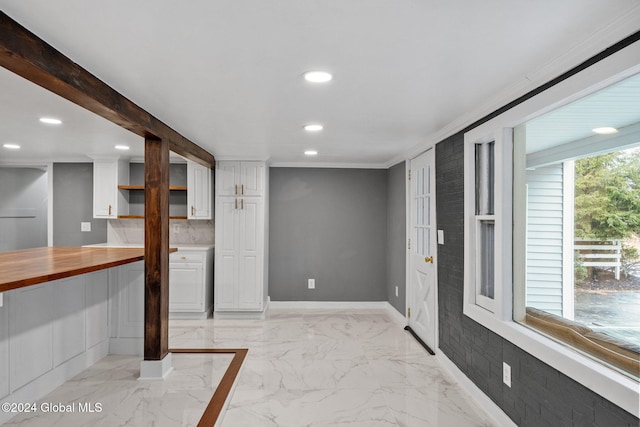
[513, 224]
[487, 276]
[581, 219]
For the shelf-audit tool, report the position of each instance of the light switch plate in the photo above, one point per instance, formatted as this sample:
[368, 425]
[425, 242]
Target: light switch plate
[441, 237]
[85, 226]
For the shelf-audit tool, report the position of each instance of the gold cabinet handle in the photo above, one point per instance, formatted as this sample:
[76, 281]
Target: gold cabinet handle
[236, 203]
[183, 257]
[429, 259]
[242, 189]
[235, 189]
[241, 203]
[109, 209]
[192, 211]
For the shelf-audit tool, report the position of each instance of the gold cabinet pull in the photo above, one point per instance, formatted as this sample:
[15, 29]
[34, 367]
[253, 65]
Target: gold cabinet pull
[109, 209]
[192, 211]
[235, 189]
[242, 189]
[241, 203]
[429, 259]
[236, 203]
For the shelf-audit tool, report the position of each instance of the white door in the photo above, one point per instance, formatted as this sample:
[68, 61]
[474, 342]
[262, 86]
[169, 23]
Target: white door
[422, 296]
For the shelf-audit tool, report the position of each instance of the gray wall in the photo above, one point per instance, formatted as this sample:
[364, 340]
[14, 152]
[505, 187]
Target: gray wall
[23, 208]
[329, 225]
[396, 236]
[73, 204]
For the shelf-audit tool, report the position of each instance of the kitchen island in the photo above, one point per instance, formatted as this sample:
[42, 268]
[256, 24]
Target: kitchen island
[29, 267]
[59, 314]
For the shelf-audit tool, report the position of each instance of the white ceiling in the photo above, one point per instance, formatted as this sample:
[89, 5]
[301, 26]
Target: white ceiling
[227, 73]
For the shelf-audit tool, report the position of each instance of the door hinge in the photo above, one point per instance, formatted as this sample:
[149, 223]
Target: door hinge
[408, 243]
[409, 177]
[409, 312]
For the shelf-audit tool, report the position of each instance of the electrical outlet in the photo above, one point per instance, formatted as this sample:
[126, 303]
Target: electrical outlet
[440, 237]
[506, 374]
[312, 283]
[396, 291]
[85, 226]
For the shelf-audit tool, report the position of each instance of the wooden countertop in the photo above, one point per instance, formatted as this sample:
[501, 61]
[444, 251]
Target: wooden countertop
[33, 266]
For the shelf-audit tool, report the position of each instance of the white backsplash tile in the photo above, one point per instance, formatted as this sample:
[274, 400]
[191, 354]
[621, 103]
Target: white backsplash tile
[131, 231]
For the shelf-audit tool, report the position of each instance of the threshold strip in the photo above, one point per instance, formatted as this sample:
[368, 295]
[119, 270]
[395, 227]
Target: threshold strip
[212, 412]
[422, 343]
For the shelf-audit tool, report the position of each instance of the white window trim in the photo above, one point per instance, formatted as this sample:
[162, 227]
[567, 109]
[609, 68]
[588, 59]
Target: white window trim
[474, 303]
[613, 386]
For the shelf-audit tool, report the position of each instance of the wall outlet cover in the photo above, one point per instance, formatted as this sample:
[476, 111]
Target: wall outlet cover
[312, 283]
[506, 374]
[85, 226]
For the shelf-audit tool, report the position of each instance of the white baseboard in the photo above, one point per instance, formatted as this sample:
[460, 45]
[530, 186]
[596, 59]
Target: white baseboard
[329, 305]
[481, 399]
[396, 315]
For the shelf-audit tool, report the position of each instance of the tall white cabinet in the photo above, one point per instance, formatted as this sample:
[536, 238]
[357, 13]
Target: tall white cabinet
[241, 276]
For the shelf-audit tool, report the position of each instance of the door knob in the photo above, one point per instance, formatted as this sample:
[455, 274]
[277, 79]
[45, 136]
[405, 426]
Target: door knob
[429, 259]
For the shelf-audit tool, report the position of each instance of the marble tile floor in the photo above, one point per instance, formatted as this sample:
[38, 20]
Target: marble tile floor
[304, 368]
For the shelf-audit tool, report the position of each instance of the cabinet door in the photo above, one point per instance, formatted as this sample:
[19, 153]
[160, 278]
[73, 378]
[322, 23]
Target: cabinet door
[226, 250]
[186, 287]
[105, 176]
[199, 194]
[252, 178]
[227, 178]
[30, 323]
[251, 253]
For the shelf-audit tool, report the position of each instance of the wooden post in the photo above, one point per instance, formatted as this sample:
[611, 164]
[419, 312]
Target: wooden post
[156, 252]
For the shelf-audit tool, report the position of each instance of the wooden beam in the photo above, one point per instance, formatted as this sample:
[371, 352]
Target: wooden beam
[156, 249]
[27, 55]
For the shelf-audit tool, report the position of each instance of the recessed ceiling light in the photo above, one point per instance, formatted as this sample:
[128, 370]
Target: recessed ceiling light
[50, 120]
[12, 146]
[311, 153]
[605, 130]
[313, 128]
[121, 147]
[317, 76]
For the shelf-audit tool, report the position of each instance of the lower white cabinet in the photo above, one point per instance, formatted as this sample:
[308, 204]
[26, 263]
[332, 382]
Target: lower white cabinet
[191, 283]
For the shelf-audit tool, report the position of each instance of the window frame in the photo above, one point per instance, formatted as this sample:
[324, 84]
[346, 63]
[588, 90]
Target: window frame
[613, 386]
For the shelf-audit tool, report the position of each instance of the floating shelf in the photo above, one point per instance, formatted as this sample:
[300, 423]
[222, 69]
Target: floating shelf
[141, 187]
[142, 217]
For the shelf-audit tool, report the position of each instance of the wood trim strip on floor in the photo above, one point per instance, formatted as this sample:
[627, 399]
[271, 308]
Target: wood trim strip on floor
[212, 412]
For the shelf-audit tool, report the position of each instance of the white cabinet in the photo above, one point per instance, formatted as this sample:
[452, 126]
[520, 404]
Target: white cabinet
[191, 283]
[240, 178]
[97, 308]
[108, 201]
[241, 240]
[199, 192]
[130, 301]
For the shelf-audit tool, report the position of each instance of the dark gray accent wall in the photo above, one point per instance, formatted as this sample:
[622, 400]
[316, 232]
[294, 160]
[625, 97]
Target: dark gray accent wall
[396, 236]
[23, 208]
[329, 225]
[73, 204]
[540, 395]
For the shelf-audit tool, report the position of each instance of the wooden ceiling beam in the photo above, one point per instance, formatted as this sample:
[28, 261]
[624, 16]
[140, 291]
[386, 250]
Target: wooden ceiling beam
[25, 54]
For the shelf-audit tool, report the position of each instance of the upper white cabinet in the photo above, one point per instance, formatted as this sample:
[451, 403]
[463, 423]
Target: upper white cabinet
[199, 192]
[240, 178]
[108, 201]
[241, 237]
